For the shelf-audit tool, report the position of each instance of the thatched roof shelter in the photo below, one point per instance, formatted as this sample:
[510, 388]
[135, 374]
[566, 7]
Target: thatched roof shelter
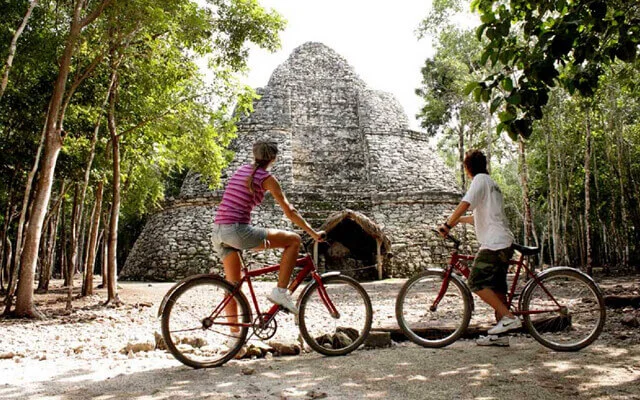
[361, 237]
[370, 227]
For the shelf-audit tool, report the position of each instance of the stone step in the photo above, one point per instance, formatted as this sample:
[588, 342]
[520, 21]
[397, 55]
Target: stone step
[473, 331]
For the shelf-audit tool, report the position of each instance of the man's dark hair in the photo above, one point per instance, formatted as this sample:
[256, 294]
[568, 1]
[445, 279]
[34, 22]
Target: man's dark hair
[476, 162]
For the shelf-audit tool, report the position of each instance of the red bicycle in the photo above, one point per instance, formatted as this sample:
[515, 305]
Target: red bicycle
[561, 307]
[334, 314]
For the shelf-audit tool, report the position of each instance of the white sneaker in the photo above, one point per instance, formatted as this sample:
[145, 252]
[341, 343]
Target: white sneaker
[283, 299]
[506, 324]
[493, 340]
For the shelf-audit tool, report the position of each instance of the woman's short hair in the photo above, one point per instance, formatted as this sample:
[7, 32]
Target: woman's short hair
[475, 162]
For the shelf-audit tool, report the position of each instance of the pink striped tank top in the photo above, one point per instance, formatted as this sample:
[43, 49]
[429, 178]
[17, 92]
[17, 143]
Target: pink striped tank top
[237, 202]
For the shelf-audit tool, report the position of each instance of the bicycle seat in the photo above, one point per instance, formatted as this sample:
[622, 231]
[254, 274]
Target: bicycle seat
[526, 251]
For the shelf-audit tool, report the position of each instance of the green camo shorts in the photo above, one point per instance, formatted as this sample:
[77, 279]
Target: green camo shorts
[489, 270]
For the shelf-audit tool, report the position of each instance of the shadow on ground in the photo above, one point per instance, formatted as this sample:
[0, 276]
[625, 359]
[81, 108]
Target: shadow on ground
[462, 371]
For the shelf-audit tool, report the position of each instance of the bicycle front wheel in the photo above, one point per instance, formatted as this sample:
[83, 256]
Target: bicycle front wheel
[426, 324]
[335, 335]
[565, 312]
[197, 330]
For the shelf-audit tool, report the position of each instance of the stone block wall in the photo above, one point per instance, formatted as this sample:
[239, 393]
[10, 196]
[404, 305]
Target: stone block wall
[342, 145]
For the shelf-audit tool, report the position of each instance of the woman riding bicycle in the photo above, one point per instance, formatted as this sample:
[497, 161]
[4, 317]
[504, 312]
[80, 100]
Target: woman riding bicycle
[232, 229]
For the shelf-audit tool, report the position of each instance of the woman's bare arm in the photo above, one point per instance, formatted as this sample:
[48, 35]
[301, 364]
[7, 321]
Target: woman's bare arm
[272, 185]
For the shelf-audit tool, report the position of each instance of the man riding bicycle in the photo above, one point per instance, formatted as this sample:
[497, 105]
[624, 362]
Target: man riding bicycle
[488, 278]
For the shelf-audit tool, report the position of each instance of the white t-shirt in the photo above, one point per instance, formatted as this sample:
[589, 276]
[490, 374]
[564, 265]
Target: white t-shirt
[485, 199]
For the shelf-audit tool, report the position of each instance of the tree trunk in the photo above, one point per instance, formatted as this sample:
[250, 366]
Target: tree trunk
[623, 204]
[112, 269]
[587, 197]
[51, 221]
[73, 246]
[524, 182]
[489, 138]
[103, 262]
[87, 287]
[13, 46]
[14, 266]
[551, 201]
[463, 176]
[72, 227]
[4, 235]
[8, 254]
[51, 256]
[52, 147]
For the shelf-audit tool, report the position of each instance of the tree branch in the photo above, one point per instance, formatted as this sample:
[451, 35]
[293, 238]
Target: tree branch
[13, 47]
[96, 13]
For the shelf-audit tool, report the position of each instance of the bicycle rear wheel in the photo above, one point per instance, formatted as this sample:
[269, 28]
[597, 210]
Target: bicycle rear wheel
[579, 319]
[437, 327]
[195, 334]
[330, 335]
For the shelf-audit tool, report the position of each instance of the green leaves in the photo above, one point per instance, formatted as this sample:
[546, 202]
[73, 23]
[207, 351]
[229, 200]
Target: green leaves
[539, 40]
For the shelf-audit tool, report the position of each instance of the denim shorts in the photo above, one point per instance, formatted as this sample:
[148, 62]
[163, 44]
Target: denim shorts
[227, 238]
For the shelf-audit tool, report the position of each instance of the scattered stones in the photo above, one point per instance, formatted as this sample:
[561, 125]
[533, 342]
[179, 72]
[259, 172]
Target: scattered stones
[631, 321]
[7, 356]
[377, 340]
[285, 349]
[341, 340]
[248, 371]
[160, 343]
[138, 347]
[314, 394]
[193, 342]
[254, 352]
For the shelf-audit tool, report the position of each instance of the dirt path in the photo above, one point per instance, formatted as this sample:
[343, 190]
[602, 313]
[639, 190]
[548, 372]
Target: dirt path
[78, 356]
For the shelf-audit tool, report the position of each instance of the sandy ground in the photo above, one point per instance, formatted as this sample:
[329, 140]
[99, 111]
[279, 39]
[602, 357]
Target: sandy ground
[78, 356]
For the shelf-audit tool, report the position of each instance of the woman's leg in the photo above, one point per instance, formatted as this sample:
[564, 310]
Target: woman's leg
[290, 242]
[232, 268]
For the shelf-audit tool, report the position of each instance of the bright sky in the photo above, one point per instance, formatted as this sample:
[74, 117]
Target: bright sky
[376, 37]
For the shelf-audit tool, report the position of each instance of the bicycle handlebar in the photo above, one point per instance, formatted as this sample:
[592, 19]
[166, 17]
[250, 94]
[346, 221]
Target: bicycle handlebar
[455, 241]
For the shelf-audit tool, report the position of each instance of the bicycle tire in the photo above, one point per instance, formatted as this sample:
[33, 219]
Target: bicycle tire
[203, 344]
[355, 324]
[425, 329]
[585, 310]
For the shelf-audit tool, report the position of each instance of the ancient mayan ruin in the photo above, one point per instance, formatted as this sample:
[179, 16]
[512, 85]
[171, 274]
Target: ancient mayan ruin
[342, 146]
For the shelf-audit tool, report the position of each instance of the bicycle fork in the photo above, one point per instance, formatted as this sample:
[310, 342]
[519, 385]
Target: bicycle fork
[324, 296]
[443, 290]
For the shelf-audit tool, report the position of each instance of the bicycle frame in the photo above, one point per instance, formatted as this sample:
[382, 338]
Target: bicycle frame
[308, 267]
[456, 264]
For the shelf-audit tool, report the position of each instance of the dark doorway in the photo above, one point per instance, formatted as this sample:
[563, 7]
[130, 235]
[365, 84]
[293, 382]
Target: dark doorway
[351, 250]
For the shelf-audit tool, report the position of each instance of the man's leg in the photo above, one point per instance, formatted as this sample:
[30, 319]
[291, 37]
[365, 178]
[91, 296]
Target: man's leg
[497, 301]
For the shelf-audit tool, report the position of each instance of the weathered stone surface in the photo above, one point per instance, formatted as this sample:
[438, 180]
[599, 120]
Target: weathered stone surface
[631, 320]
[137, 347]
[285, 349]
[378, 339]
[342, 145]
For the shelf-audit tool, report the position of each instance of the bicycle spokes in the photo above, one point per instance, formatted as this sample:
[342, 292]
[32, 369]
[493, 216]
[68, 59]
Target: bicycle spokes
[201, 326]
